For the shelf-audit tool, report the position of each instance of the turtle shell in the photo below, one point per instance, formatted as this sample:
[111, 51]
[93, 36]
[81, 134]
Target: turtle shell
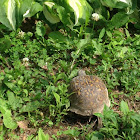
[89, 95]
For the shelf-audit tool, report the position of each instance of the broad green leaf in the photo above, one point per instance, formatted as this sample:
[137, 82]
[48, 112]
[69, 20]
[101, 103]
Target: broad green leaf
[7, 13]
[80, 46]
[41, 63]
[12, 11]
[64, 16]
[4, 44]
[72, 132]
[35, 8]
[92, 61]
[22, 6]
[94, 137]
[136, 117]
[42, 136]
[73, 73]
[116, 3]
[121, 17]
[58, 37]
[60, 76]
[82, 10]
[102, 33]
[74, 55]
[13, 101]
[121, 54]
[40, 29]
[57, 97]
[10, 6]
[3, 106]
[10, 85]
[109, 34]
[98, 47]
[124, 107]
[98, 115]
[82, 43]
[8, 121]
[31, 106]
[49, 13]
[7, 116]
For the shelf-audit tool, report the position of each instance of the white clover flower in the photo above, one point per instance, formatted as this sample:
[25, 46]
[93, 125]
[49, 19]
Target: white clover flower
[21, 34]
[95, 16]
[25, 59]
[46, 63]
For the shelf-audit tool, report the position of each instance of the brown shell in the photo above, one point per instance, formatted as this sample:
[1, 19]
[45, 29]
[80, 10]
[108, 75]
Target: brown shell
[90, 95]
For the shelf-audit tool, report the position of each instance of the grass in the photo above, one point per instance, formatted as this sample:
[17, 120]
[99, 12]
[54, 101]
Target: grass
[35, 89]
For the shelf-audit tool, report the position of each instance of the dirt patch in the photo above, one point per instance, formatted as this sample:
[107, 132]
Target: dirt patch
[132, 101]
[28, 25]
[70, 122]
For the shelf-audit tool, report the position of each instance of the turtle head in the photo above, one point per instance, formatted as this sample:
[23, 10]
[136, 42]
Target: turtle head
[81, 73]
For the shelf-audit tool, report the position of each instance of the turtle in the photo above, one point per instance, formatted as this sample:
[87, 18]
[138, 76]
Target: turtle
[89, 95]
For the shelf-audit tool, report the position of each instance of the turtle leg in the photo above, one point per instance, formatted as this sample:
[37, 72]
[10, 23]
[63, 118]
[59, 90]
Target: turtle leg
[90, 119]
[99, 123]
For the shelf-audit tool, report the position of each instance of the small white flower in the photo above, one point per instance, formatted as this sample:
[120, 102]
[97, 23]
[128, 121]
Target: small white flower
[95, 16]
[25, 59]
[46, 63]
[21, 34]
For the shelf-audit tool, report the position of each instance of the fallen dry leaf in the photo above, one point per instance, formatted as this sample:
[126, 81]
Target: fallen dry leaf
[23, 124]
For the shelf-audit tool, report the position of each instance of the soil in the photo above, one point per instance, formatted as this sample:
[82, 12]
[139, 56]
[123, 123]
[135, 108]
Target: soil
[72, 120]
[132, 101]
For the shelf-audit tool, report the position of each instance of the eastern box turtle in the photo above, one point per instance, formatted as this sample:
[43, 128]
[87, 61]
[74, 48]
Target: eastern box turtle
[89, 94]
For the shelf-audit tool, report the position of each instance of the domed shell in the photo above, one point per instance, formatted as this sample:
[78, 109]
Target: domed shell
[89, 95]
